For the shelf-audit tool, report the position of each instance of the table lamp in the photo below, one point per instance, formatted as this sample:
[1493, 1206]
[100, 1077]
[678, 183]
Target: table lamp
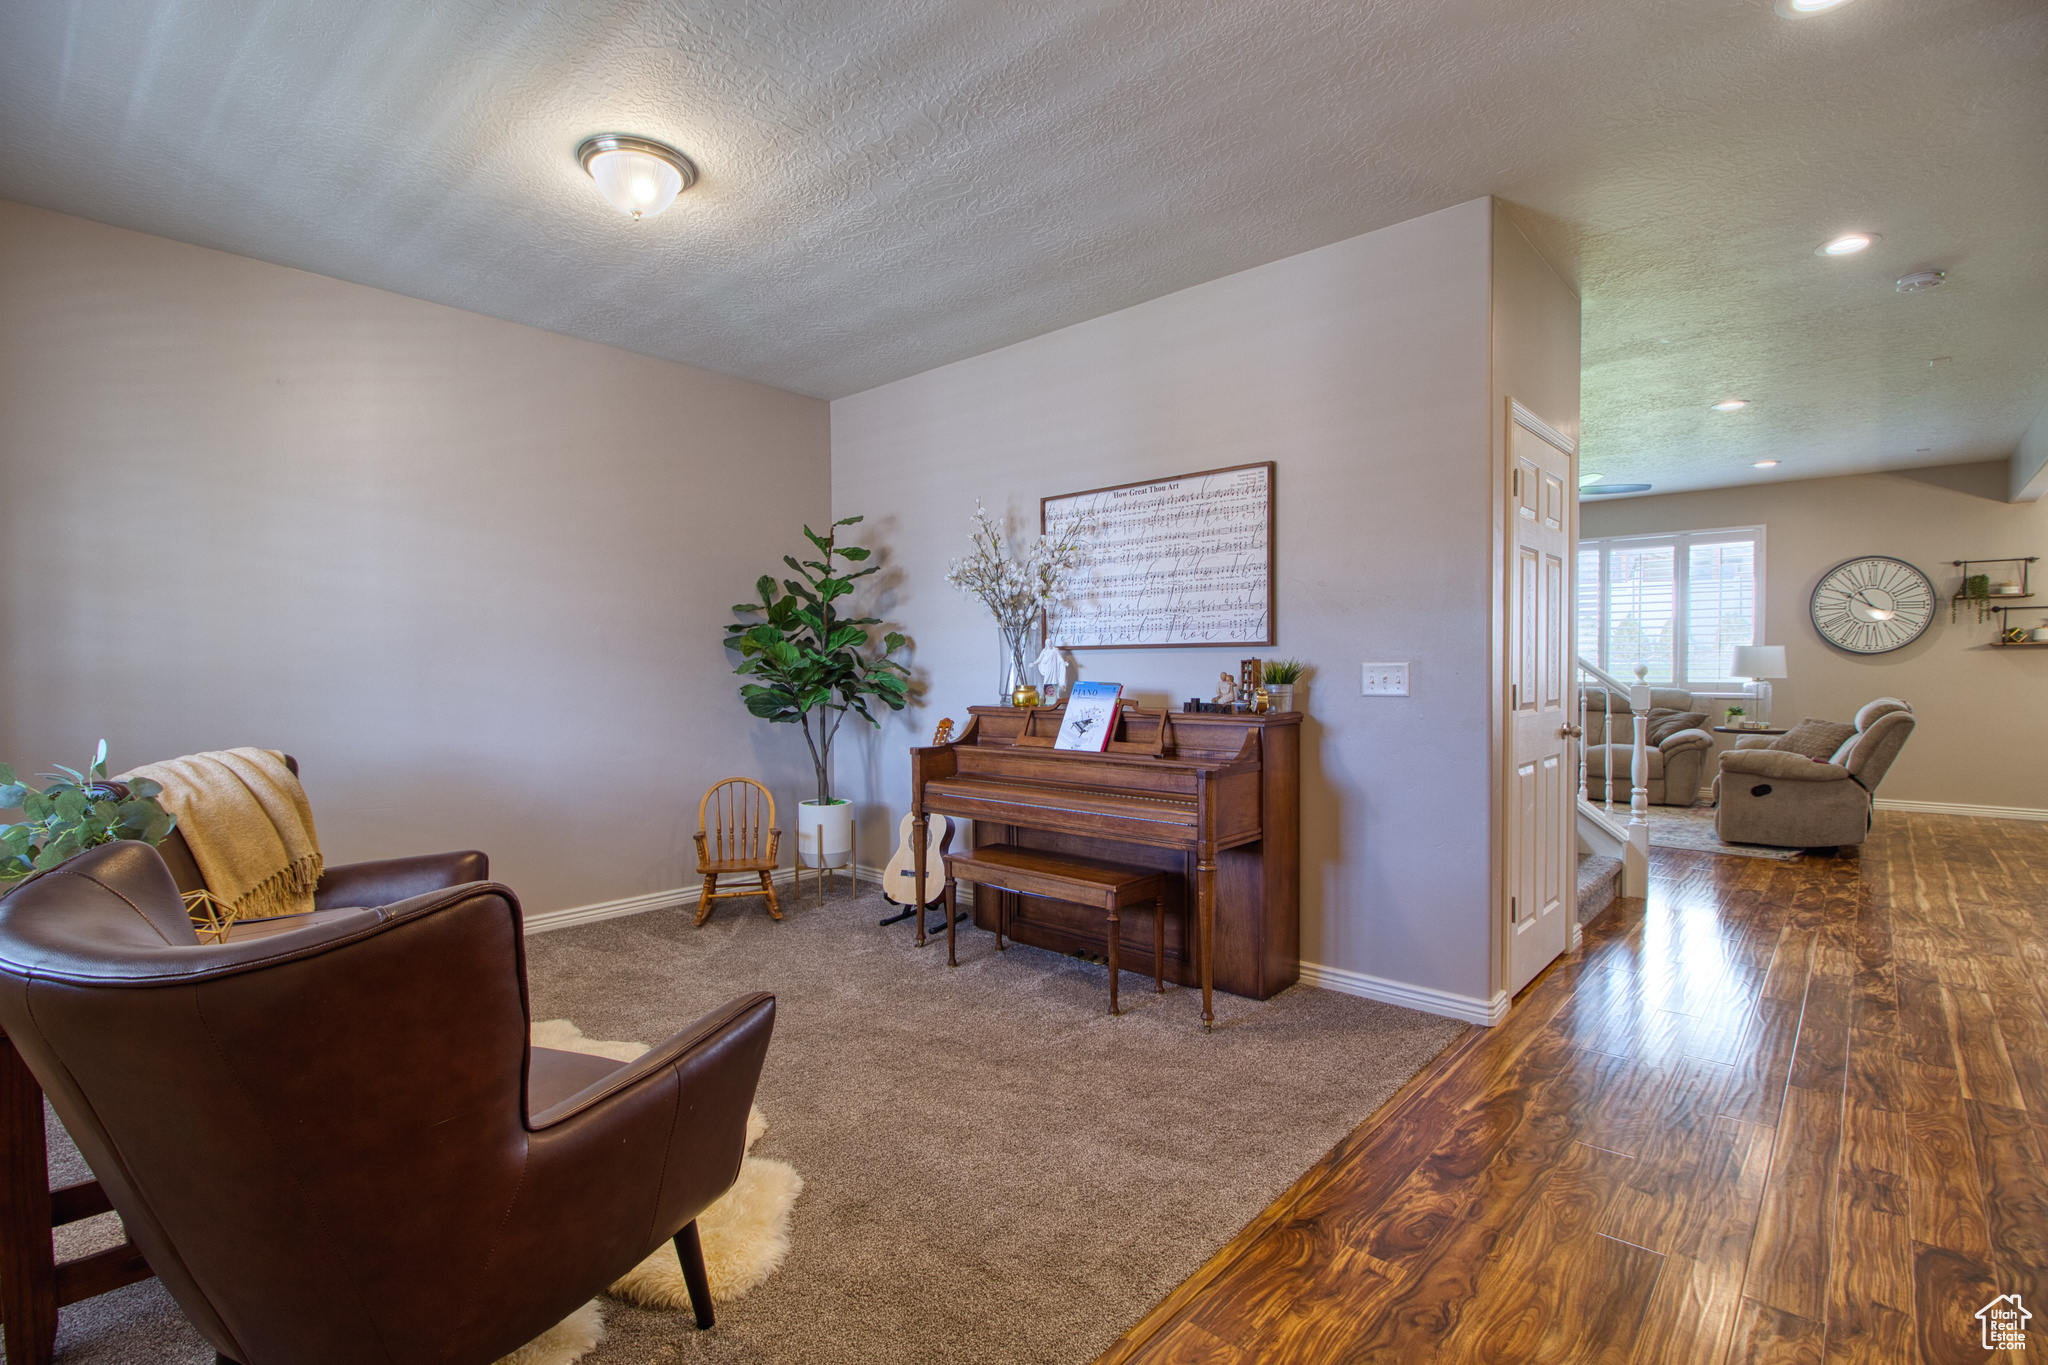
[1759, 664]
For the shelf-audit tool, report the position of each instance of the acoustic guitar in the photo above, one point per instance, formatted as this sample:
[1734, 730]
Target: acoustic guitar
[899, 879]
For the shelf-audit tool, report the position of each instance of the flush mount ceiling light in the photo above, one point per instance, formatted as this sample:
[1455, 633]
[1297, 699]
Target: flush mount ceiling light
[1921, 279]
[638, 176]
[1848, 244]
[1730, 405]
[1766, 464]
[1800, 9]
[1585, 479]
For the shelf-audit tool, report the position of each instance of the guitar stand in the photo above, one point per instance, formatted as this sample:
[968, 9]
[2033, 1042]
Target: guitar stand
[907, 911]
[931, 933]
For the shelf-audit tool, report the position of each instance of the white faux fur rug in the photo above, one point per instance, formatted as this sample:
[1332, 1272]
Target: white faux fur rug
[745, 1234]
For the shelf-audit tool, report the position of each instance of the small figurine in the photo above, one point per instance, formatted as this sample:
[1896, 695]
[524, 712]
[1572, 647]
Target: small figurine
[1052, 671]
[1226, 690]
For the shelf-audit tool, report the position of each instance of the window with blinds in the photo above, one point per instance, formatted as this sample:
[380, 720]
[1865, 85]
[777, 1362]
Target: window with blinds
[1679, 604]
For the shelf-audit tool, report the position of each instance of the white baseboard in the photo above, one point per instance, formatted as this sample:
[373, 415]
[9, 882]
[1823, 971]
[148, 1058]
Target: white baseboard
[1952, 808]
[1468, 1008]
[673, 898]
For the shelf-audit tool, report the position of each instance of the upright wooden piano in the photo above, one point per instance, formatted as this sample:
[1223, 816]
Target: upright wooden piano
[1212, 798]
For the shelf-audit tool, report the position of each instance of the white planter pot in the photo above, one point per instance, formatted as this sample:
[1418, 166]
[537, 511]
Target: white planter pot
[824, 834]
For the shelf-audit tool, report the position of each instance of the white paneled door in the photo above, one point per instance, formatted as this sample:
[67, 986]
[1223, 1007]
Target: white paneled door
[1538, 801]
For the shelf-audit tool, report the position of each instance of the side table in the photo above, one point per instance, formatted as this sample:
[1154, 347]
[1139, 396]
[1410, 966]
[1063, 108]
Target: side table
[33, 1284]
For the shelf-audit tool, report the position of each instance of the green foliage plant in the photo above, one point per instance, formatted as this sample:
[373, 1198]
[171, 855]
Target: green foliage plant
[1977, 587]
[77, 811]
[1284, 672]
[810, 665]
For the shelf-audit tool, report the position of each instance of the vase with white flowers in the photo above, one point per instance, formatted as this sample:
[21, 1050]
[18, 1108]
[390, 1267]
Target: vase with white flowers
[1017, 591]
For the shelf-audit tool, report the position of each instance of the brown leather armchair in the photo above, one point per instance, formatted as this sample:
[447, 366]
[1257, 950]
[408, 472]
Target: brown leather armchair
[335, 1144]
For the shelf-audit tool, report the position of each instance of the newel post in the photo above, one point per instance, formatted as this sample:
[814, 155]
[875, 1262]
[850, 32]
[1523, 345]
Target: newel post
[1636, 863]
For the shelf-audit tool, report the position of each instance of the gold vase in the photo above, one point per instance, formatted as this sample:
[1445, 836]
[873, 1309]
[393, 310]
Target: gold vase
[1024, 695]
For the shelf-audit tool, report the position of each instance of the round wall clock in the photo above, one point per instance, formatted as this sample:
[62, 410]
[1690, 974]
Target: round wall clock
[1872, 604]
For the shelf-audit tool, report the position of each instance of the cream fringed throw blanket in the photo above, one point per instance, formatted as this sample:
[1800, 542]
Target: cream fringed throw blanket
[245, 817]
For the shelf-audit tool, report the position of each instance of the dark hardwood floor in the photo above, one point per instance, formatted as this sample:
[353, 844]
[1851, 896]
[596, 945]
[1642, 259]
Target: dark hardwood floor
[1780, 1112]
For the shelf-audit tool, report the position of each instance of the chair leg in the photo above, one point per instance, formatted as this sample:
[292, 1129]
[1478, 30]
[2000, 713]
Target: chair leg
[690, 1252]
[704, 899]
[768, 890]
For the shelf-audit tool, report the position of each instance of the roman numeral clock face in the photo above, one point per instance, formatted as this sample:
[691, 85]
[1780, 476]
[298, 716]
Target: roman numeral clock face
[1873, 605]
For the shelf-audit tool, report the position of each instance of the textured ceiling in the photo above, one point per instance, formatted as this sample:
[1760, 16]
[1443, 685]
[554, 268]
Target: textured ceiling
[891, 185]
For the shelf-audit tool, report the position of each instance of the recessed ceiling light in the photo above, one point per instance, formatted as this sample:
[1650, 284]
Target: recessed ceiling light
[1799, 9]
[638, 176]
[1766, 464]
[1921, 279]
[1731, 404]
[1847, 244]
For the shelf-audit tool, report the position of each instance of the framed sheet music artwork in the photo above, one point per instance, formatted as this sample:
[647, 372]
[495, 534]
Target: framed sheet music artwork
[1170, 562]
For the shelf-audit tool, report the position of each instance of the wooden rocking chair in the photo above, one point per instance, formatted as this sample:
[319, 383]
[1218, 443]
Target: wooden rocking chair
[736, 834]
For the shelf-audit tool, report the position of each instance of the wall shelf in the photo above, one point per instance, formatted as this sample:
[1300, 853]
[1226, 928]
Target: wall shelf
[2005, 624]
[1994, 602]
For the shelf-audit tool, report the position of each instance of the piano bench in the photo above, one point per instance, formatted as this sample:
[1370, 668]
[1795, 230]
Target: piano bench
[1106, 886]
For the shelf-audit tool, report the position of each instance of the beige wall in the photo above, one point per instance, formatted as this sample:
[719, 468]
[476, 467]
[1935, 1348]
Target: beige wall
[1983, 711]
[1536, 364]
[1362, 370]
[473, 574]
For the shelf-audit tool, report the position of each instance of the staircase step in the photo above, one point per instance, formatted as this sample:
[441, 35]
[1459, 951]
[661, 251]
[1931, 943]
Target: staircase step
[1599, 884]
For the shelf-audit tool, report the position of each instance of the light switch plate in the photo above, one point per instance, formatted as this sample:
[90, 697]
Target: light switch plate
[1386, 680]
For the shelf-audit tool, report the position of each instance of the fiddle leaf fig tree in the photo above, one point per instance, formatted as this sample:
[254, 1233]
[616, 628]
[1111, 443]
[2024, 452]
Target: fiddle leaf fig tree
[808, 664]
[75, 812]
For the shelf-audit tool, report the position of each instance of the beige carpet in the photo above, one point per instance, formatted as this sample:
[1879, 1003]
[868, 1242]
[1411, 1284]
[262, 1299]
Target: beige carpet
[995, 1170]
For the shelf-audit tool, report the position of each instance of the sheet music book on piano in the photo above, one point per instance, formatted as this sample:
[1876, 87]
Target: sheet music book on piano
[1090, 718]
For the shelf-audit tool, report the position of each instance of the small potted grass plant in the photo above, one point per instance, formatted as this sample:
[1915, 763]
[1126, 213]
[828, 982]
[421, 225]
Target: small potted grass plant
[1283, 676]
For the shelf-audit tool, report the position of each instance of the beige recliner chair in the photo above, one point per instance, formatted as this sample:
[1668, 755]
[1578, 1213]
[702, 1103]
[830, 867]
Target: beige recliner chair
[1772, 796]
[1677, 763]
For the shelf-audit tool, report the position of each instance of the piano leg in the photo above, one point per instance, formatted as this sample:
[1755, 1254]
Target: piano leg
[917, 829]
[1115, 933]
[1159, 945]
[1205, 947]
[951, 961]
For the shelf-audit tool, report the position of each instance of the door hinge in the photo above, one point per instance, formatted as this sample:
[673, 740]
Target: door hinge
[1514, 910]
[1514, 696]
[1518, 483]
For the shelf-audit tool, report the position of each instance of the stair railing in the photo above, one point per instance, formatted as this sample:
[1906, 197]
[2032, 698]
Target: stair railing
[1636, 862]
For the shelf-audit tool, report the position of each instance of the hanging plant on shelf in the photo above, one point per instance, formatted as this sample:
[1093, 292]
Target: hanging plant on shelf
[1977, 591]
[1017, 591]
